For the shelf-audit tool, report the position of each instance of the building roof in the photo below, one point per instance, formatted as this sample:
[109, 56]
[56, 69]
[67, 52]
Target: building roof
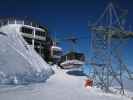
[21, 20]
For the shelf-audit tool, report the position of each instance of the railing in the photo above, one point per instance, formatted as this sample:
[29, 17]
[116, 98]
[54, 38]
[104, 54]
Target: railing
[4, 22]
[36, 37]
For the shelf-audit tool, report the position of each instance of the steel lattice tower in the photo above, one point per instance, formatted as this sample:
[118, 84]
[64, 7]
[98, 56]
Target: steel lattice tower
[106, 40]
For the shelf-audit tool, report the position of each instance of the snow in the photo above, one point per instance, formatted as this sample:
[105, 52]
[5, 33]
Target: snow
[59, 86]
[56, 48]
[72, 64]
[19, 62]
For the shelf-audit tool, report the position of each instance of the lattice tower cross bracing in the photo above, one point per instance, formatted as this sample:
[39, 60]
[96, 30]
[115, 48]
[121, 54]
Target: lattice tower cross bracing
[106, 38]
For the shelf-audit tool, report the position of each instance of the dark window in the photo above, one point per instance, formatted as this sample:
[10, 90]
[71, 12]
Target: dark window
[37, 42]
[40, 33]
[74, 55]
[28, 40]
[41, 27]
[26, 30]
[37, 49]
[57, 53]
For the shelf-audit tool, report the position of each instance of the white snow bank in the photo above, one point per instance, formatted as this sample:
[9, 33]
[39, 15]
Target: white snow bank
[19, 63]
[72, 62]
[60, 86]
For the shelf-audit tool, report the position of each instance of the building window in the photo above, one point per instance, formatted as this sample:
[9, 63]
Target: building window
[28, 40]
[26, 30]
[57, 53]
[40, 33]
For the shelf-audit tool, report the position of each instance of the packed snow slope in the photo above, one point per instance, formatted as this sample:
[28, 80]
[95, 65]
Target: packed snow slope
[60, 86]
[19, 62]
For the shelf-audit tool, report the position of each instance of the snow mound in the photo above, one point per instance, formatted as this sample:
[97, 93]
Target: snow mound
[61, 86]
[19, 62]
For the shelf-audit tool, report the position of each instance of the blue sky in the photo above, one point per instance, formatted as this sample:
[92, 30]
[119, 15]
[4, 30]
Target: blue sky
[68, 16]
